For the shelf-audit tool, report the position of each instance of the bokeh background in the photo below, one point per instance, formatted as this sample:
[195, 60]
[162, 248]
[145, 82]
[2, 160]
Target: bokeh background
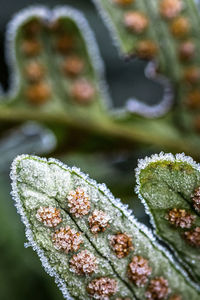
[21, 274]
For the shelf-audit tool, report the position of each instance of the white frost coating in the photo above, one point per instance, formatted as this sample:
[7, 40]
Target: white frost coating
[101, 187]
[44, 260]
[52, 15]
[143, 164]
[133, 105]
[12, 29]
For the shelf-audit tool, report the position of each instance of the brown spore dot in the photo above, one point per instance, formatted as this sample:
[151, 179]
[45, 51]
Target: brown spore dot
[49, 216]
[123, 2]
[34, 71]
[192, 75]
[170, 8]
[83, 91]
[65, 43]
[180, 218]
[146, 49]
[196, 195]
[186, 50]
[139, 270]
[193, 99]
[78, 202]
[158, 289]
[83, 263]
[121, 244]
[38, 93]
[73, 65]
[32, 28]
[98, 221]
[67, 239]
[136, 22]
[102, 288]
[31, 47]
[175, 297]
[193, 237]
[180, 27]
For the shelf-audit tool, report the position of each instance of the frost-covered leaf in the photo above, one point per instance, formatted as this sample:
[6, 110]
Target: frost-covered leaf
[105, 259]
[168, 186]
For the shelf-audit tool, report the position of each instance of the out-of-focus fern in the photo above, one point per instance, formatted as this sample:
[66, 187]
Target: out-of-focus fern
[57, 77]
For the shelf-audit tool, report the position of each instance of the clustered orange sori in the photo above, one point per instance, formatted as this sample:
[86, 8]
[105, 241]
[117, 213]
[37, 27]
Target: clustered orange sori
[98, 221]
[121, 244]
[78, 202]
[139, 270]
[158, 289]
[102, 288]
[49, 216]
[67, 239]
[83, 263]
[82, 90]
[180, 218]
[38, 91]
[193, 237]
[196, 199]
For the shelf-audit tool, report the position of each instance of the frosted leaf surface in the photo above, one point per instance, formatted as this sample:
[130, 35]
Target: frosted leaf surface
[166, 185]
[38, 183]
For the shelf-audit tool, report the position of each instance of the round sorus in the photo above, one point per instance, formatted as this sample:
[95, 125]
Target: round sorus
[196, 195]
[67, 239]
[32, 28]
[158, 289]
[192, 75]
[170, 8]
[64, 43]
[123, 2]
[193, 237]
[186, 50]
[73, 65]
[38, 93]
[83, 91]
[121, 244]
[83, 263]
[180, 218]
[98, 221]
[31, 47]
[180, 27]
[136, 21]
[146, 49]
[78, 202]
[49, 216]
[193, 98]
[175, 297]
[139, 270]
[34, 71]
[102, 288]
